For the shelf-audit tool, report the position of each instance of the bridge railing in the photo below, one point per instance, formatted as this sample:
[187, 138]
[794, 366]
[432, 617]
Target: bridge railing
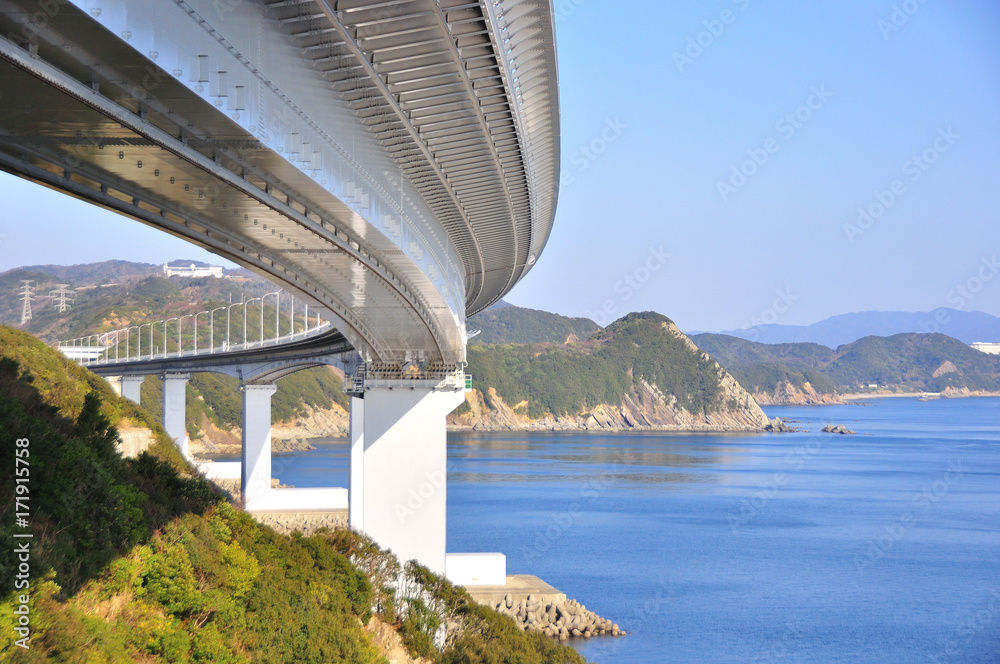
[121, 345]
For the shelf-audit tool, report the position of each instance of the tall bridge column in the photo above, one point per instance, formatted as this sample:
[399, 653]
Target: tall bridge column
[174, 413]
[255, 482]
[404, 469]
[127, 386]
[356, 482]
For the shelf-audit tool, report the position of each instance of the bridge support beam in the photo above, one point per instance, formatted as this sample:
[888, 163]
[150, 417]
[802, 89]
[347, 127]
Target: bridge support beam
[403, 471]
[127, 386]
[255, 482]
[174, 409]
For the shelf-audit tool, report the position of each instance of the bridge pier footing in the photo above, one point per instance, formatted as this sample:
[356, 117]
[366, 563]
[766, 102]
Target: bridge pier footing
[255, 482]
[174, 414]
[399, 470]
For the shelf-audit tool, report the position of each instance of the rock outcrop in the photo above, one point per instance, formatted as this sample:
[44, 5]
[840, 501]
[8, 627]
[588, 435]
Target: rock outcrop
[839, 428]
[789, 395]
[644, 408]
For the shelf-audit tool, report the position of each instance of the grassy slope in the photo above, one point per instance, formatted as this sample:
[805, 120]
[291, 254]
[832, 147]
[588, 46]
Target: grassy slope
[135, 560]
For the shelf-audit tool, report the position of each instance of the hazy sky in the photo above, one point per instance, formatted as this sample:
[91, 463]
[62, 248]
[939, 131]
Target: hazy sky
[715, 157]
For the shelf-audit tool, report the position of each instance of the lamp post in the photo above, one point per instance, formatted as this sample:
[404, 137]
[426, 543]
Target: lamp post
[138, 351]
[245, 318]
[228, 312]
[211, 329]
[180, 323]
[277, 309]
[165, 334]
[196, 330]
[128, 341]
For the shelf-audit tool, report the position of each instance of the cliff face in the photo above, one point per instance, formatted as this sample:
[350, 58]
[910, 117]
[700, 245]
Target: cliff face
[644, 408]
[787, 394]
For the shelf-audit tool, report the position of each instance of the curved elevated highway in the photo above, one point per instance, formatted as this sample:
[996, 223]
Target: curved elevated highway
[394, 164]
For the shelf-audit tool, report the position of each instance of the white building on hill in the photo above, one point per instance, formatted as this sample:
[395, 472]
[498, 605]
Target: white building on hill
[991, 348]
[192, 271]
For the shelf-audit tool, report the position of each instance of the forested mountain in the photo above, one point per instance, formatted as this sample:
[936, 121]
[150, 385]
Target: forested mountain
[902, 362]
[507, 324]
[639, 372]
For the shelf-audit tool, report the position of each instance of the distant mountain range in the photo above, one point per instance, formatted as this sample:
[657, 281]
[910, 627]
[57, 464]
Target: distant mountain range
[966, 326]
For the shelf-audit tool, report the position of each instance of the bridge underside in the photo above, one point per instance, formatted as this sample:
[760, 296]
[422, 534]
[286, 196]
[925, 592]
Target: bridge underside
[86, 122]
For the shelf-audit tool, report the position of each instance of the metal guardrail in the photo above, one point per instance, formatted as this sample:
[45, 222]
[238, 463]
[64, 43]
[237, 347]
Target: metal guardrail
[107, 347]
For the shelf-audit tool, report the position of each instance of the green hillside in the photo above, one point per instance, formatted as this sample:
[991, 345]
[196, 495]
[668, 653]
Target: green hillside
[904, 362]
[762, 368]
[566, 379]
[136, 560]
[507, 324]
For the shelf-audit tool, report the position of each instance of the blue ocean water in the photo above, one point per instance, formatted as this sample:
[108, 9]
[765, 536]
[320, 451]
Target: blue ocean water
[803, 547]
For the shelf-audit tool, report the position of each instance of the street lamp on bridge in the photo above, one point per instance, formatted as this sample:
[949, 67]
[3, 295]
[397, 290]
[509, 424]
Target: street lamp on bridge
[228, 314]
[211, 329]
[180, 324]
[245, 319]
[165, 334]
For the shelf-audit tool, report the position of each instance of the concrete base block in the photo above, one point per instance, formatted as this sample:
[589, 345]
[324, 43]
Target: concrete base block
[476, 569]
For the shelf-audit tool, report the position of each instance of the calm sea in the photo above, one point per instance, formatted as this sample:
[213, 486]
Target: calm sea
[803, 547]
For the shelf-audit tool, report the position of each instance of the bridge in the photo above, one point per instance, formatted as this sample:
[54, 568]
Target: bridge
[391, 164]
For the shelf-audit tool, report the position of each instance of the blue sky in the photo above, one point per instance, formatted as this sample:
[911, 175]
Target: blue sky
[715, 157]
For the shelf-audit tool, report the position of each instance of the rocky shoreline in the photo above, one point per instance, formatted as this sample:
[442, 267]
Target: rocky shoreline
[560, 620]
